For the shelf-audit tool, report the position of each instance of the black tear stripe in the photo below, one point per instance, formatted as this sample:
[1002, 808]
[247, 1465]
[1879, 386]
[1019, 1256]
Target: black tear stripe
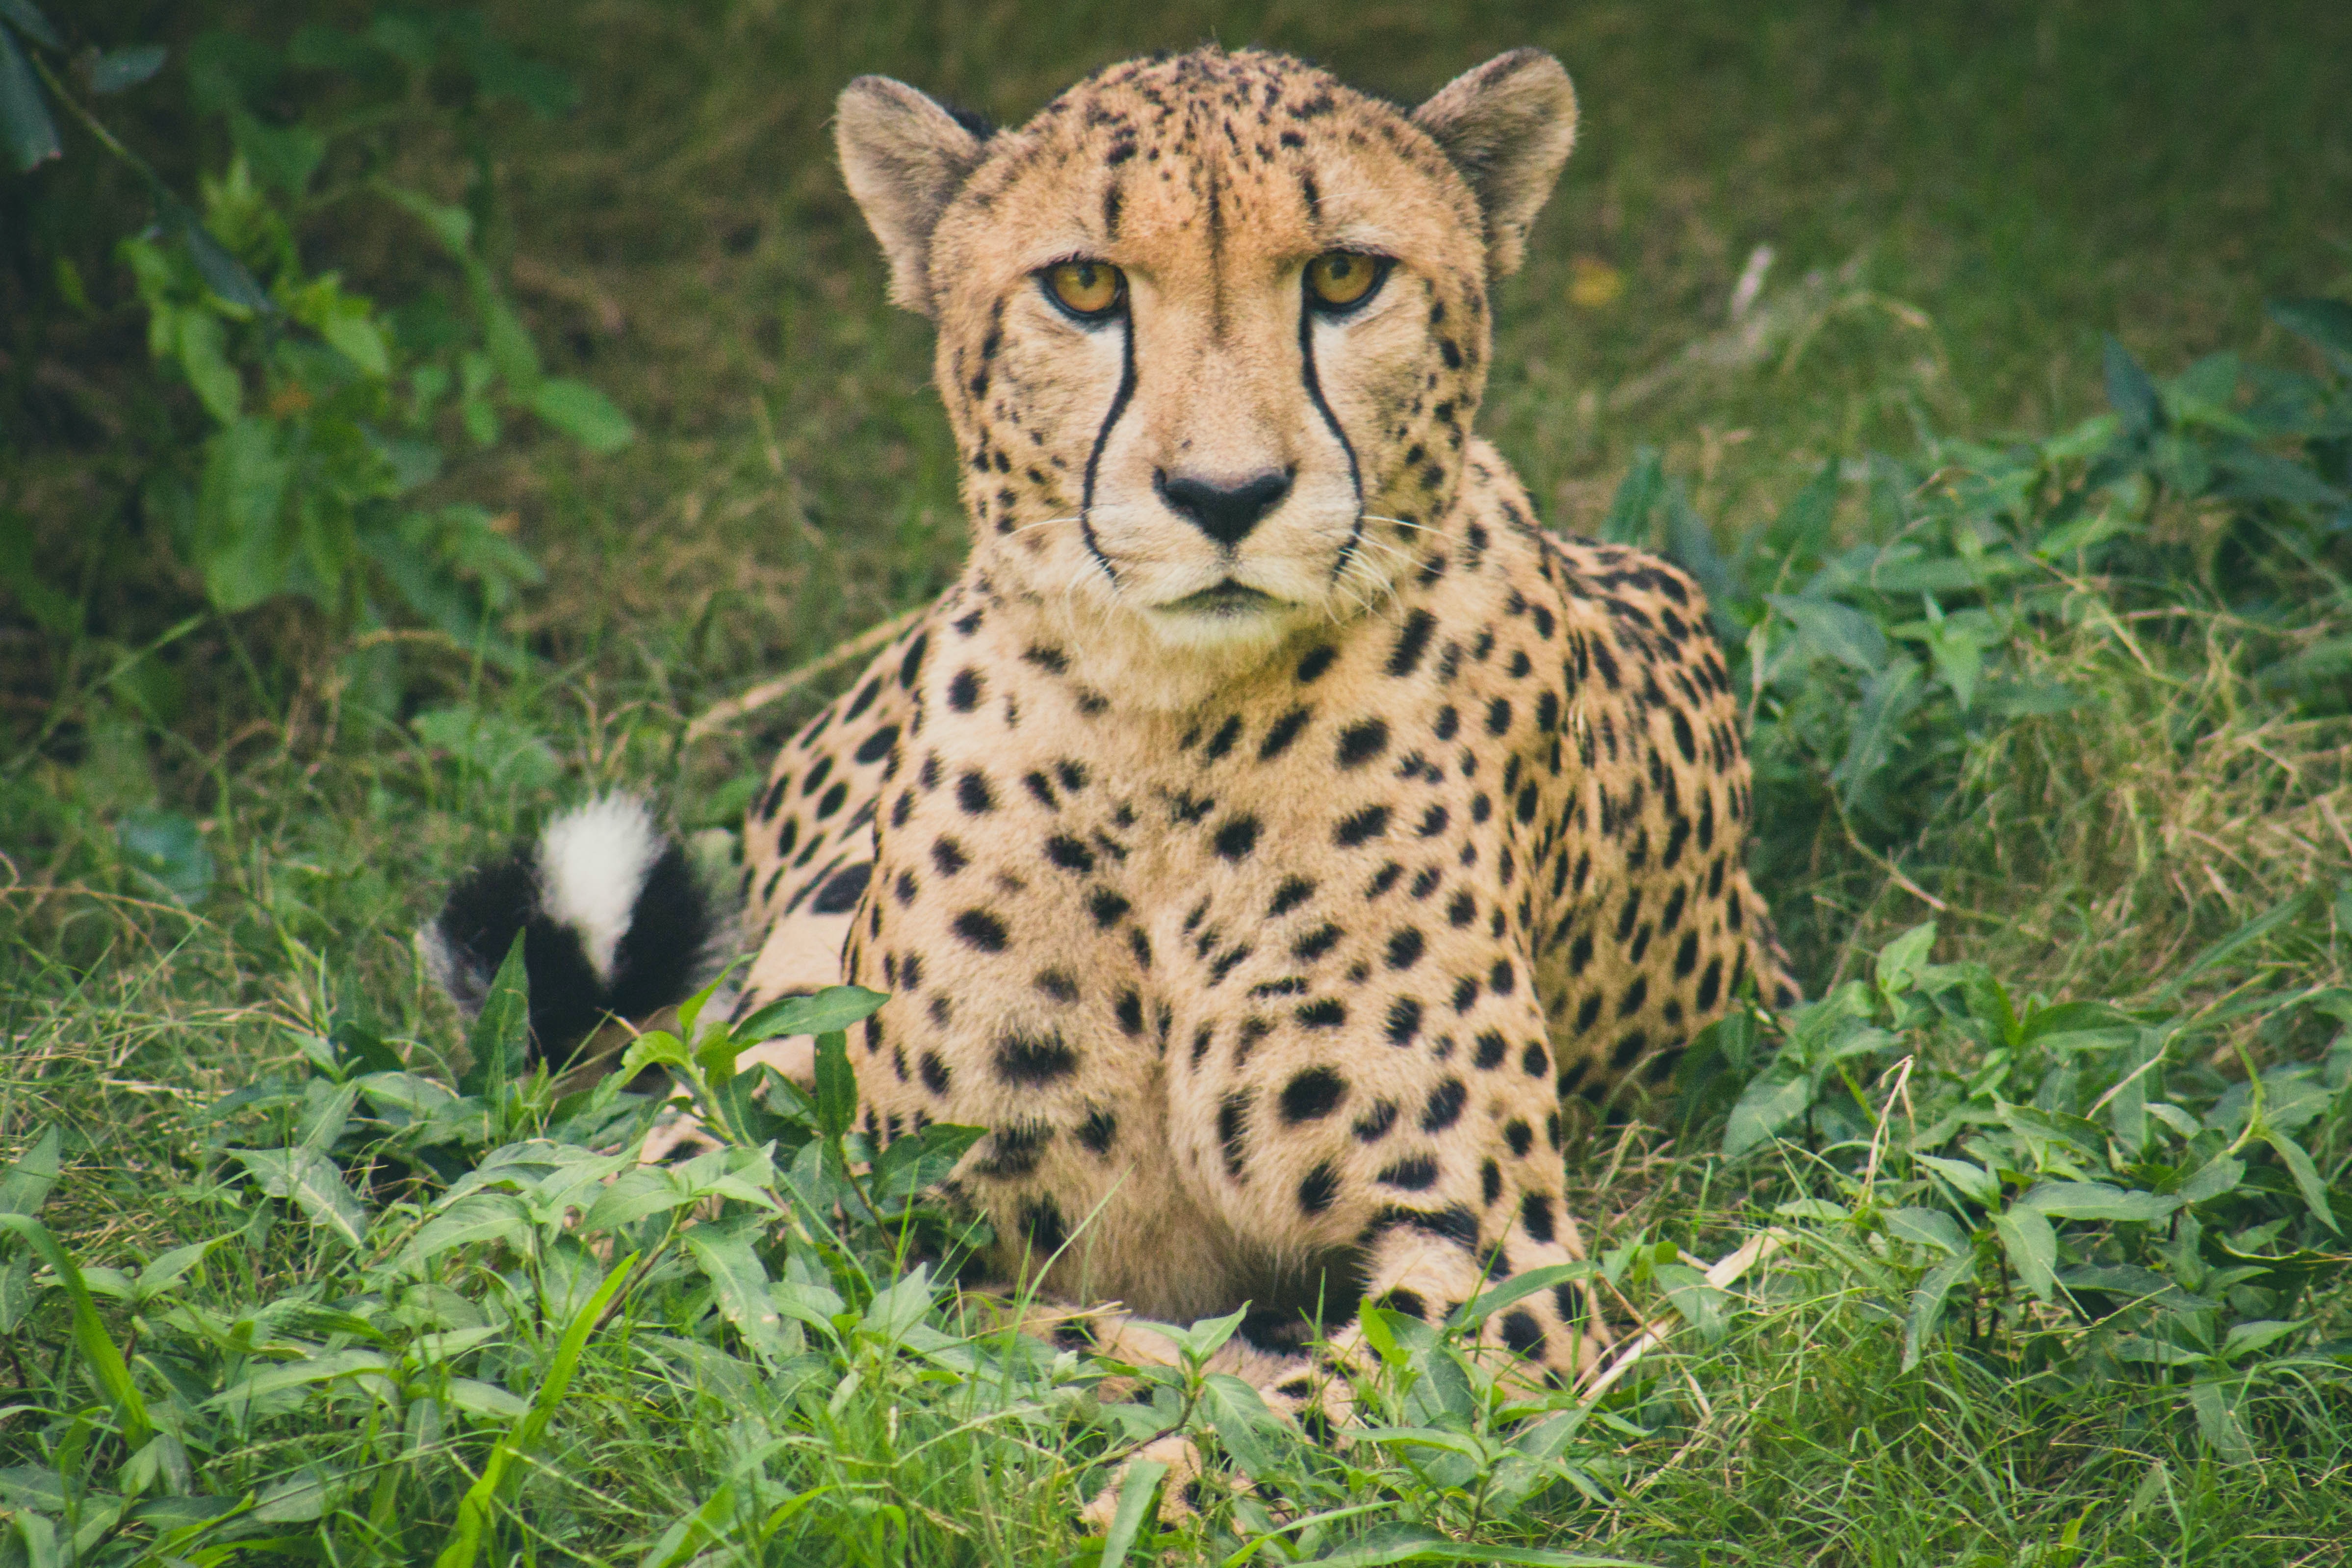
[1331, 422]
[1102, 439]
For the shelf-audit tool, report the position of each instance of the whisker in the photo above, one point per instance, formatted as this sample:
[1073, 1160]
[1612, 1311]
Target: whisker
[1401, 522]
[1044, 522]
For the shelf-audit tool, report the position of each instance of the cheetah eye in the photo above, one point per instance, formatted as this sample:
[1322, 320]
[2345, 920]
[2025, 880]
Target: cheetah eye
[1090, 290]
[1343, 279]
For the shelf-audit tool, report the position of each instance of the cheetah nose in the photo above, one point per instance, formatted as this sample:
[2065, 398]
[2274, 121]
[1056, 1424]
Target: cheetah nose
[1226, 513]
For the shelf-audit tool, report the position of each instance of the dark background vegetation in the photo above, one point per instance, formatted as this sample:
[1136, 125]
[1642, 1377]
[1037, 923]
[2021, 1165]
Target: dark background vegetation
[221, 820]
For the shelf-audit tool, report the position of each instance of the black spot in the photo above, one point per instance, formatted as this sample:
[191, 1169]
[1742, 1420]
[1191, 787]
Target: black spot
[1098, 1131]
[1285, 731]
[1623, 1054]
[1055, 984]
[1465, 994]
[1359, 743]
[1408, 1302]
[1108, 908]
[973, 794]
[1462, 909]
[1294, 891]
[936, 1076]
[1382, 880]
[1404, 1020]
[965, 691]
[1404, 947]
[1492, 1048]
[842, 891]
[1444, 1107]
[1433, 822]
[1502, 978]
[1533, 1061]
[1710, 984]
[1490, 1181]
[1069, 854]
[1635, 995]
[1411, 642]
[1313, 1094]
[876, 745]
[1324, 1014]
[1368, 824]
[1237, 838]
[1417, 1174]
[948, 856]
[1448, 725]
[1233, 1126]
[1374, 1124]
[981, 929]
[1519, 1136]
[1034, 1059]
[1522, 1333]
[1041, 1222]
[1317, 661]
[1535, 1215]
[1315, 943]
[833, 799]
[1317, 1188]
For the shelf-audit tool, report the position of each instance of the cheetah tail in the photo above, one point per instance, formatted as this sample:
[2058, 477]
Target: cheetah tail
[614, 922]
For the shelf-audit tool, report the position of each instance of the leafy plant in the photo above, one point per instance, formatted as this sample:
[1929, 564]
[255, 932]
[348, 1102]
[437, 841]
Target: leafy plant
[323, 418]
[2070, 1189]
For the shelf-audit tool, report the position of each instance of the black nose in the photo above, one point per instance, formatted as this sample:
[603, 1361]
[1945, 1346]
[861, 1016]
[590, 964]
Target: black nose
[1226, 513]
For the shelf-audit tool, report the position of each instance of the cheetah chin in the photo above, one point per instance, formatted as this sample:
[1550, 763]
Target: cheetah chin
[1276, 837]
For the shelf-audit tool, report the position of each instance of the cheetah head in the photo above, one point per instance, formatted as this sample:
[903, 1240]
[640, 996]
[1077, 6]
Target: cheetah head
[1212, 329]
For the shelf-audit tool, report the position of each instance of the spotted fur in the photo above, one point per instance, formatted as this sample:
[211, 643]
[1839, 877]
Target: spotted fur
[1267, 896]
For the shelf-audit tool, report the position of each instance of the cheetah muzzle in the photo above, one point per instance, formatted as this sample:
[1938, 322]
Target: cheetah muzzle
[1273, 826]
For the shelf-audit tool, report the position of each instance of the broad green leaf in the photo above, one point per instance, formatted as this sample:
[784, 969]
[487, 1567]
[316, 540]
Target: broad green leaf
[1926, 1313]
[2306, 1176]
[1768, 1106]
[166, 1269]
[499, 1042]
[28, 19]
[168, 847]
[26, 128]
[297, 1374]
[738, 1283]
[648, 1189]
[834, 1008]
[702, 1528]
[479, 1398]
[2099, 1200]
[837, 1086]
[2216, 1403]
[912, 1165]
[895, 1311]
[28, 1185]
[202, 347]
[2130, 393]
[244, 544]
[2133, 1283]
[476, 1218]
[2219, 1175]
[359, 339]
[2325, 324]
[583, 413]
[1242, 1424]
[117, 69]
[452, 225]
[2248, 1338]
[1700, 1304]
[1400, 1542]
[2032, 1248]
[2253, 931]
[1516, 1288]
[1901, 958]
[1835, 631]
[1928, 1227]
[311, 1181]
[1136, 1490]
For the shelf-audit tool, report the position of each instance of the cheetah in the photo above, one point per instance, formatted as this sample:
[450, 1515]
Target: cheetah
[1274, 825]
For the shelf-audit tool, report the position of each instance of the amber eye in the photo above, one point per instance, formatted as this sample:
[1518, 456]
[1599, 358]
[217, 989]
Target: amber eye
[1088, 289]
[1339, 278]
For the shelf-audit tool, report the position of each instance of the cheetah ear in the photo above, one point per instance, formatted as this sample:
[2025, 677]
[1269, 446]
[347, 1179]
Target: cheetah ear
[1507, 125]
[905, 157]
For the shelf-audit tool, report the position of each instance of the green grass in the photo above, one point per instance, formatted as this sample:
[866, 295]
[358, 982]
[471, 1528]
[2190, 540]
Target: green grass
[1961, 200]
